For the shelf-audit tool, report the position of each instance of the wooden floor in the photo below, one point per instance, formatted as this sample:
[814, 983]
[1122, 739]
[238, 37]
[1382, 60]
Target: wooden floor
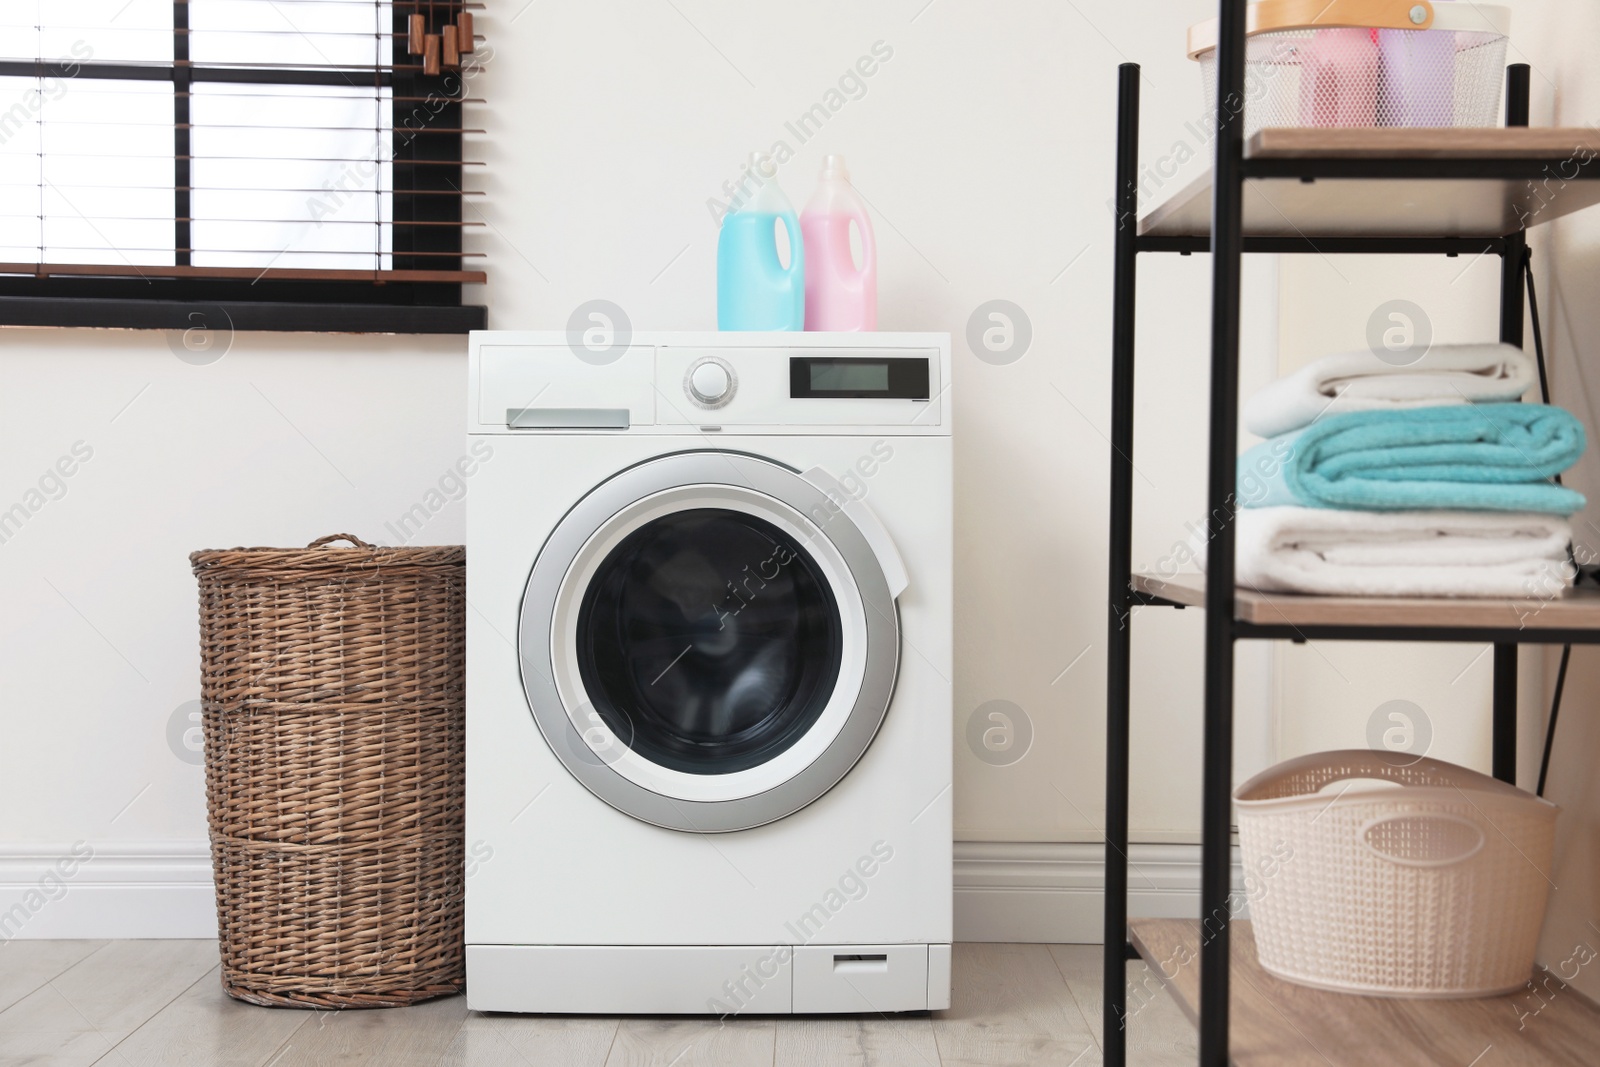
[1279, 1024]
[139, 1003]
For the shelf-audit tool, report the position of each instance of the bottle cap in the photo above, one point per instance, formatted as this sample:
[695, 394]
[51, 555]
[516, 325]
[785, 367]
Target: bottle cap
[833, 167]
[761, 166]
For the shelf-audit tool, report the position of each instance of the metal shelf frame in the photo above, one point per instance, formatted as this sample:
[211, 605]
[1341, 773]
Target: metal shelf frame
[1227, 245]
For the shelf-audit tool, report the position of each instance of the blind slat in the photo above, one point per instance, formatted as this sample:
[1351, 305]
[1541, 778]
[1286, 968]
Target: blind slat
[236, 251]
[397, 223]
[124, 270]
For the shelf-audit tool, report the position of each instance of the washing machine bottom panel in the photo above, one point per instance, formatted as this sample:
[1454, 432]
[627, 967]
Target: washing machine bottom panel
[707, 980]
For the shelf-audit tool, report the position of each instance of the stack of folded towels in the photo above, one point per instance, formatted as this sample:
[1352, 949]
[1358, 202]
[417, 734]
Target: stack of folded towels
[1423, 480]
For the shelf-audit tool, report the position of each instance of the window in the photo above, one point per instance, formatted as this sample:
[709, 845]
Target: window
[277, 164]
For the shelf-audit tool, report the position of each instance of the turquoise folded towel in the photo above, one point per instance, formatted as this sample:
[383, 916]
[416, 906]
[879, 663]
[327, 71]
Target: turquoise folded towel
[1483, 457]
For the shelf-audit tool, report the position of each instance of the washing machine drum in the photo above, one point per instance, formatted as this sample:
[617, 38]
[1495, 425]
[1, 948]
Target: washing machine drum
[709, 640]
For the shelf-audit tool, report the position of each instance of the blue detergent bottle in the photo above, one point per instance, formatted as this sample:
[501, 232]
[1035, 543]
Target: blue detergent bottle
[754, 290]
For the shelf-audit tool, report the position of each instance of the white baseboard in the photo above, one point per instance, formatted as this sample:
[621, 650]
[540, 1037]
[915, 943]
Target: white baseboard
[1055, 893]
[106, 890]
[1004, 890]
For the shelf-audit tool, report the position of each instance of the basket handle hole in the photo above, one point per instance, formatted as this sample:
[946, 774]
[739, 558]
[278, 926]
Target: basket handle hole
[352, 538]
[1419, 840]
[1341, 786]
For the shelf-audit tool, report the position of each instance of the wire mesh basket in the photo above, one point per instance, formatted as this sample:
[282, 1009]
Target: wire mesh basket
[1365, 63]
[1413, 878]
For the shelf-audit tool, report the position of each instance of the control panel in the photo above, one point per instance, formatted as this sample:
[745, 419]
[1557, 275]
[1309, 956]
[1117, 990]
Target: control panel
[711, 382]
[730, 386]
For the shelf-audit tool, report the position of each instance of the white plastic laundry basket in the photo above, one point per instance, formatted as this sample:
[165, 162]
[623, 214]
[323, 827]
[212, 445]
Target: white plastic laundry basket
[1431, 882]
[1366, 63]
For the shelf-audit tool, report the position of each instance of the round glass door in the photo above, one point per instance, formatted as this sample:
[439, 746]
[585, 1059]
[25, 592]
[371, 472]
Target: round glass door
[710, 639]
[708, 643]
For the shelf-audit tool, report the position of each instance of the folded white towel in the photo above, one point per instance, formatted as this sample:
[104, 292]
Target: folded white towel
[1403, 553]
[1360, 381]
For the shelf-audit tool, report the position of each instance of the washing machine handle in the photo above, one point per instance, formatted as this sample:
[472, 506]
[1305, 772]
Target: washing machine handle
[894, 568]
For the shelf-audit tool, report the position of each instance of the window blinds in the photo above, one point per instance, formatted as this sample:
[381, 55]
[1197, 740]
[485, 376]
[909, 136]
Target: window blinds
[290, 139]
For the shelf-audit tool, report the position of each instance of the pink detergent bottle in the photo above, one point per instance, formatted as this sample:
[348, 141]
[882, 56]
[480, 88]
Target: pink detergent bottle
[838, 295]
[1339, 79]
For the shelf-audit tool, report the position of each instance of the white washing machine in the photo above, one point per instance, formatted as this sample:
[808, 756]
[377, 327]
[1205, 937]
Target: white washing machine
[708, 673]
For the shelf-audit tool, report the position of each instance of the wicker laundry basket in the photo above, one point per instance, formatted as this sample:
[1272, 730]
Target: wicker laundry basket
[1436, 888]
[332, 695]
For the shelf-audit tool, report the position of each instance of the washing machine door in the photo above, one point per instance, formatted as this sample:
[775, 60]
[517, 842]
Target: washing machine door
[709, 640]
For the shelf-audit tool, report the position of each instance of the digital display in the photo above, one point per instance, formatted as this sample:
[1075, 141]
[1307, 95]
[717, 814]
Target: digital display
[859, 377]
[852, 377]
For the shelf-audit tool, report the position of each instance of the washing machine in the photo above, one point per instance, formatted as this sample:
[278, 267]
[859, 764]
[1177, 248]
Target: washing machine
[708, 673]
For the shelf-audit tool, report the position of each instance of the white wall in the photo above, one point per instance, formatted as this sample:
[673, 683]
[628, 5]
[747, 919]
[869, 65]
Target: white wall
[282, 440]
[1567, 85]
[984, 143]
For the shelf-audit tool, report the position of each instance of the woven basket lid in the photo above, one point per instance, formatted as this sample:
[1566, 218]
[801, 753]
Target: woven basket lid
[319, 555]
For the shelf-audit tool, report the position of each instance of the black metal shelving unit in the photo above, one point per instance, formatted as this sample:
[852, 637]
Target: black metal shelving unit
[1227, 242]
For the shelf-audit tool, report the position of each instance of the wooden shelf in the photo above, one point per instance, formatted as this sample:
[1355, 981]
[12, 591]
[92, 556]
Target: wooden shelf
[1279, 1024]
[1578, 609]
[1525, 142]
[1464, 205]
